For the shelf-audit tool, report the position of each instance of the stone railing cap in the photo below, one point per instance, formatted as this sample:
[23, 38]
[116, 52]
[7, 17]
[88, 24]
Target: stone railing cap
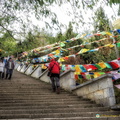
[70, 70]
[91, 81]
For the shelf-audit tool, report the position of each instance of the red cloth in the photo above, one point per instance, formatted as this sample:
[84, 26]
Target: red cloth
[90, 67]
[55, 68]
[76, 77]
[118, 58]
[114, 65]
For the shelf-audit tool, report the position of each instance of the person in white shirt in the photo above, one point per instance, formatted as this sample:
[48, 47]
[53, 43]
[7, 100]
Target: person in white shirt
[2, 67]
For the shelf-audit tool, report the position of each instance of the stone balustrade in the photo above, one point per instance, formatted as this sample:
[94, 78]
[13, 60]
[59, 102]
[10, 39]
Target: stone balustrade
[29, 70]
[67, 80]
[19, 67]
[23, 68]
[37, 72]
[16, 65]
[99, 90]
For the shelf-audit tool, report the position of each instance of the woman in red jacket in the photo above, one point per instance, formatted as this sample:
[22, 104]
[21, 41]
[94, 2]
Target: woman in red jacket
[54, 69]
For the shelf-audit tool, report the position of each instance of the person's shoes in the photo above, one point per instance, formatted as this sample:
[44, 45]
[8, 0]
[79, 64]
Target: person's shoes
[9, 77]
[58, 90]
[53, 90]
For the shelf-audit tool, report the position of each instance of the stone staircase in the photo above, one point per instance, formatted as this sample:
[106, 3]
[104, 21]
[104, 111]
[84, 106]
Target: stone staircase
[25, 98]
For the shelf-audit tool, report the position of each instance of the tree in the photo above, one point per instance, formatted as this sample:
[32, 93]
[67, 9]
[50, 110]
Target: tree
[41, 9]
[15, 18]
[8, 45]
[101, 22]
[113, 1]
[69, 33]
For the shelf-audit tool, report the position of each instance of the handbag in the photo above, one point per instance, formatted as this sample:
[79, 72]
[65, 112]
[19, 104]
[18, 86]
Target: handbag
[49, 72]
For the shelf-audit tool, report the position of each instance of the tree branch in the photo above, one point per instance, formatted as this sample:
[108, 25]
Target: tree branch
[7, 31]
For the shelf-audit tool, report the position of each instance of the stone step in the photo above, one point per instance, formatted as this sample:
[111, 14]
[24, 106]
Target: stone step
[45, 102]
[51, 110]
[68, 114]
[35, 94]
[31, 82]
[53, 96]
[23, 82]
[55, 116]
[18, 82]
[46, 94]
[75, 118]
[14, 83]
[24, 88]
[9, 86]
[28, 90]
[38, 103]
[29, 106]
[23, 97]
[32, 92]
[39, 98]
[19, 85]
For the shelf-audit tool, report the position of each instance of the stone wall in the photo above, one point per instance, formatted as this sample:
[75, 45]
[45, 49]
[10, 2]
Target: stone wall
[37, 72]
[99, 90]
[23, 68]
[44, 77]
[29, 70]
[19, 67]
[16, 65]
[67, 80]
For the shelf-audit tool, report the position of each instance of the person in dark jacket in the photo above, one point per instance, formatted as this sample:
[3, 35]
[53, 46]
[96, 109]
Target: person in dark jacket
[54, 69]
[9, 66]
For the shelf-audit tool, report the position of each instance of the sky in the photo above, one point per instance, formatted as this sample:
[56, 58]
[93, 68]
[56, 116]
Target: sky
[64, 18]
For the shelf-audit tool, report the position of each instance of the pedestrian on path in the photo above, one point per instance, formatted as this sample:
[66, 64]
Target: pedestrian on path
[2, 66]
[4, 61]
[10, 67]
[54, 69]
